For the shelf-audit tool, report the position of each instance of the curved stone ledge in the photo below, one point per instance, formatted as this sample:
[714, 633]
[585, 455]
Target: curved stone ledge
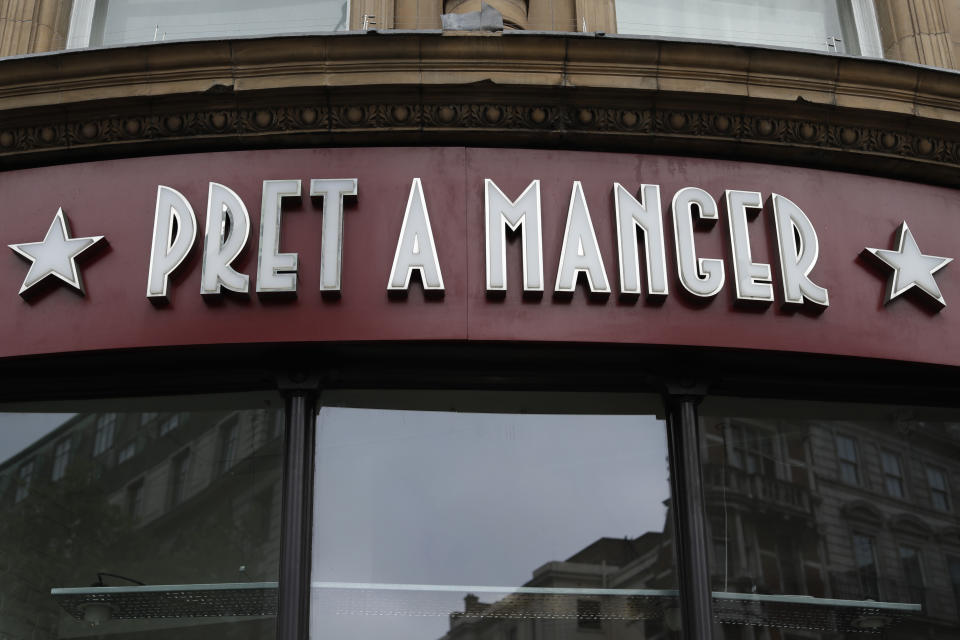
[524, 89]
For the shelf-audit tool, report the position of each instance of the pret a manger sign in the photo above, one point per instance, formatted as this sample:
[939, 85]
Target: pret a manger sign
[454, 243]
[227, 232]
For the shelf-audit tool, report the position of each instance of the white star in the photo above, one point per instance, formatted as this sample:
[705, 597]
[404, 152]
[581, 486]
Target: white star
[910, 267]
[55, 256]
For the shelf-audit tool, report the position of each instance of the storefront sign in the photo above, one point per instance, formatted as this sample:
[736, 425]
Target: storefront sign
[503, 244]
[228, 229]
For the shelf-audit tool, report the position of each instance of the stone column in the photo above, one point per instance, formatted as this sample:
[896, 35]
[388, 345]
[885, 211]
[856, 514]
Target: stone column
[33, 26]
[418, 14]
[381, 14]
[919, 30]
[552, 15]
[596, 15]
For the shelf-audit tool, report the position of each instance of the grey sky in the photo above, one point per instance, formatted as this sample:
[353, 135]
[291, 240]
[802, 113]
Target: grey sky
[474, 499]
[19, 430]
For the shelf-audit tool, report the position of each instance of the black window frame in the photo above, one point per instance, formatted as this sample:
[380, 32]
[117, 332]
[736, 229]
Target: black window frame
[683, 377]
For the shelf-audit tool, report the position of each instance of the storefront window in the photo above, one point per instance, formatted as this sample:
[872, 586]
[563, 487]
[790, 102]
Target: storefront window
[820, 521]
[834, 26]
[157, 544]
[537, 521]
[114, 22]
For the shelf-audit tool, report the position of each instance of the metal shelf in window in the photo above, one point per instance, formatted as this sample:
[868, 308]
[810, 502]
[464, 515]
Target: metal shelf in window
[260, 599]
[172, 601]
[808, 612]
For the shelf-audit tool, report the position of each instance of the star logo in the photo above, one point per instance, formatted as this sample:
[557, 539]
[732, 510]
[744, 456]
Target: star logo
[910, 267]
[55, 256]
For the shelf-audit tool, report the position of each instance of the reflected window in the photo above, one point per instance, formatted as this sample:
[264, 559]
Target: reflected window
[752, 449]
[892, 473]
[831, 26]
[460, 524]
[229, 434]
[24, 479]
[179, 472]
[113, 22]
[847, 455]
[170, 423]
[127, 452]
[61, 458]
[953, 566]
[811, 533]
[103, 438]
[912, 572]
[939, 493]
[865, 559]
[135, 499]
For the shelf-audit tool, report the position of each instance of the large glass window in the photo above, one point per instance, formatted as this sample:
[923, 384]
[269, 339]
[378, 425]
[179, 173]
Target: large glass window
[542, 520]
[847, 555]
[113, 22]
[90, 547]
[835, 26]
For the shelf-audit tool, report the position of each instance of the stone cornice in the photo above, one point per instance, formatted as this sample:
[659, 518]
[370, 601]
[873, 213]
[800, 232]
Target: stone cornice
[513, 89]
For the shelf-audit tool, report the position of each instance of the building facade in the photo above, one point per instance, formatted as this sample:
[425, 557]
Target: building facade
[556, 319]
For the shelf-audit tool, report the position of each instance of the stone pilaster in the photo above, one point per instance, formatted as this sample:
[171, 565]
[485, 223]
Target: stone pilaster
[380, 14]
[33, 26]
[418, 14]
[918, 31]
[552, 15]
[596, 15]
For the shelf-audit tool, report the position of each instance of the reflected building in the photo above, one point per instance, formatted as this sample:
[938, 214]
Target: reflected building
[116, 499]
[822, 514]
[856, 509]
[644, 563]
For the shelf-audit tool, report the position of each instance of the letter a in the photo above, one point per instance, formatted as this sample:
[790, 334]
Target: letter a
[416, 250]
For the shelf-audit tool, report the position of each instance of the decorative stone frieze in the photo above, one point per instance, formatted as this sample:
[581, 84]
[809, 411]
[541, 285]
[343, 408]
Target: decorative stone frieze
[583, 92]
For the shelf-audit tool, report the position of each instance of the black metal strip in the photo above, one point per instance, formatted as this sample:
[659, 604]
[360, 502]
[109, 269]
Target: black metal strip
[689, 522]
[293, 615]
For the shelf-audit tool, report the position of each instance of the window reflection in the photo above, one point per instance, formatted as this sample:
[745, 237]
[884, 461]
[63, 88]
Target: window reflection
[112, 22]
[439, 524]
[147, 541]
[818, 25]
[836, 502]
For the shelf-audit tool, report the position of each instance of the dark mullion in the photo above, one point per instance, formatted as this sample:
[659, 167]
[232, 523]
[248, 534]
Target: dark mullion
[293, 612]
[689, 522]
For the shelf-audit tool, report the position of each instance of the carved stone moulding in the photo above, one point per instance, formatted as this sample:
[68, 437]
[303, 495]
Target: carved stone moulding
[821, 137]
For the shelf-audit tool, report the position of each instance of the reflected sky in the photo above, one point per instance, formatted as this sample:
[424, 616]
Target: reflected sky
[418, 497]
[19, 430]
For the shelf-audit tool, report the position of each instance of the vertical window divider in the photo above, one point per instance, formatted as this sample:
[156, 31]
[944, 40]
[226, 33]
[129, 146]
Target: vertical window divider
[293, 606]
[689, 512]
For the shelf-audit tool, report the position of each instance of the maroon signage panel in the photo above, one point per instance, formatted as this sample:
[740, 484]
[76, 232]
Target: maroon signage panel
[117, 199]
